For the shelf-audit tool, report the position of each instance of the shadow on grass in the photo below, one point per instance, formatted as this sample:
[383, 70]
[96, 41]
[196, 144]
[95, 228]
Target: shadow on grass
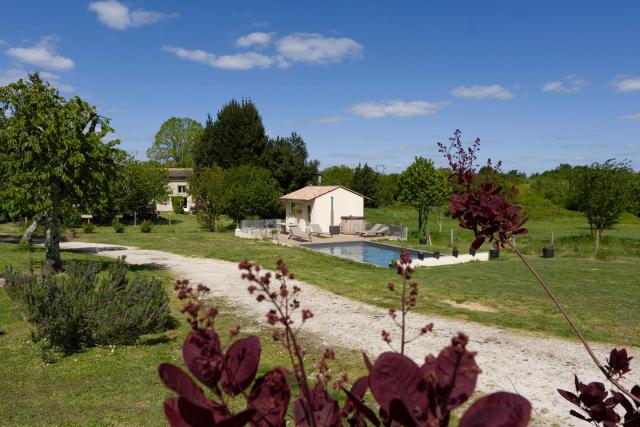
[162, 339]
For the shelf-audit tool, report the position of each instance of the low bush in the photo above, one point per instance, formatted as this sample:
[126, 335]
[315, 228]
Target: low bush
[88, 227]
[72, 218]
[83, 307]
[177, 204]
[117, 225]
[145, 227]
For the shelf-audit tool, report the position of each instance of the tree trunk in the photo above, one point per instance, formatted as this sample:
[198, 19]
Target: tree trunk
[27, 237]
[52, 242]
[598, 235]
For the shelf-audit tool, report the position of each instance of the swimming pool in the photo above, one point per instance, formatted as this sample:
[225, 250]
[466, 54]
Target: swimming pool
[367, 252]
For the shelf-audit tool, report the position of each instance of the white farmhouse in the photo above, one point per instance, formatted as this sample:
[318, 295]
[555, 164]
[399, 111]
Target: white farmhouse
[178, 186]
[326, 205]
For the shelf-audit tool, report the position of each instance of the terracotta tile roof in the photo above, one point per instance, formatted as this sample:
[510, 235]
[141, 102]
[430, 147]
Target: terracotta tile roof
[178, 174]
[313, 192]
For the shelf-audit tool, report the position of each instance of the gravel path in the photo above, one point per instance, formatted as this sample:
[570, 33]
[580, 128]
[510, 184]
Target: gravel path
[533, 366]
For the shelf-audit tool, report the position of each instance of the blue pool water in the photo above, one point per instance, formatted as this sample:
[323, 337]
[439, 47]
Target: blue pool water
[368, 252]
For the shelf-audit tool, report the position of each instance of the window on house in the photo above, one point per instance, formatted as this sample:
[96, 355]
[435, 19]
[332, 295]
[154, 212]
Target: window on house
[182, 189]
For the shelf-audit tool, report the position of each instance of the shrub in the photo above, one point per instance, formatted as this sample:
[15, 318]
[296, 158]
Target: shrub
[145, 227]
[83, 307]
[177, 203]
[72, 218]
[117, 226]
[25, 246]
[88, 227]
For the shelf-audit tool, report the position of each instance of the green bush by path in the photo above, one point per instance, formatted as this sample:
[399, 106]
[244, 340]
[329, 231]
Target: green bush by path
[81, 308]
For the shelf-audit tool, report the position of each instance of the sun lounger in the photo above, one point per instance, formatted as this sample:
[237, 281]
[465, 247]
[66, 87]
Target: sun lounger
[379, 232]
[296, 233]
[317, 230]
[373, 229]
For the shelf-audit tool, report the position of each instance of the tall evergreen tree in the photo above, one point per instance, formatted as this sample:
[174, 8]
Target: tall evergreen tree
[237, 137]
[288, 161]
[365, 182]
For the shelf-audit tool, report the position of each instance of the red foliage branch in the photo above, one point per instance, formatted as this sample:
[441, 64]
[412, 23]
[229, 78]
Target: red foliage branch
[487, 210]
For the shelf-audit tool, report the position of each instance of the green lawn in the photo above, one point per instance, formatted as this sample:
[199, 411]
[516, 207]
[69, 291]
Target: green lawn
[109, 385]
[597, 292]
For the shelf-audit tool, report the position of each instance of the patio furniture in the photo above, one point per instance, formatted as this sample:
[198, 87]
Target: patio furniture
[373, 229]
[334, 229]
[296, 233]
[379, 232]
[316, 229]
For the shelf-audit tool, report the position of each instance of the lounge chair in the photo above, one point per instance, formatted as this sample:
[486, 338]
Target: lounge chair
[317, 230]
[296, 233]
[379, 232]
[373, 229]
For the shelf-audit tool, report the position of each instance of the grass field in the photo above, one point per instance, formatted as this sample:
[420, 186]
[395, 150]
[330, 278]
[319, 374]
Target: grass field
[571, 233]
[106, 386]
[598, 292]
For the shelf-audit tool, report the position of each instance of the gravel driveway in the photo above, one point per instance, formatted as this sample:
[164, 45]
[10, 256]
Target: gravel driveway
[531, 365]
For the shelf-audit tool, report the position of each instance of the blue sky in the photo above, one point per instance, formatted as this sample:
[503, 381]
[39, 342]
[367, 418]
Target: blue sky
[539, 82]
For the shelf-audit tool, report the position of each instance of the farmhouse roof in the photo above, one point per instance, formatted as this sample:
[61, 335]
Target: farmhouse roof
[312, 192]
[178, 174]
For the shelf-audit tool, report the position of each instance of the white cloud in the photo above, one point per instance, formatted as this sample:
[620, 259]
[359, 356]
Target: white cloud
[481, 92]
[293, 48]
[117, 16]
[42, 55]
[12, 75]
[634, 116]
[311, 48]
[377, 109]
[626, 83]
[570, 84]
[238, 61]
[255, 39]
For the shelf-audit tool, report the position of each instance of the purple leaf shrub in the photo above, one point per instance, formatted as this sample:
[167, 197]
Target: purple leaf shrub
[490, 212]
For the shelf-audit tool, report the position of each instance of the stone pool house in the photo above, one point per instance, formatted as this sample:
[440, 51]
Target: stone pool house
[178, 186]
[327, 206]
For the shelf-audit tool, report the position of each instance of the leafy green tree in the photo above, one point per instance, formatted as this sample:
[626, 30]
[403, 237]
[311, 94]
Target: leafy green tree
[288, 161]
[423, 187]
[556, 185]
[634, 206]
[338, 175]
[139, 187]
[53, 153]
[174, 142]
[388, 188]
[254, 192]
[365, 182]
[603, 193]
[237, 137]
[210, 189]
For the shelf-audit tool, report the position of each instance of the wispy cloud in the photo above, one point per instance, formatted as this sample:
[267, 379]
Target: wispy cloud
[258, 39]
[634, 116]
[238, 61]
[118, 16]
[329, 120]
[294, 48]
[626, 83]
[12, 75]
[570, 84]
[481, 92]
[42, 54]
[377, 109]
